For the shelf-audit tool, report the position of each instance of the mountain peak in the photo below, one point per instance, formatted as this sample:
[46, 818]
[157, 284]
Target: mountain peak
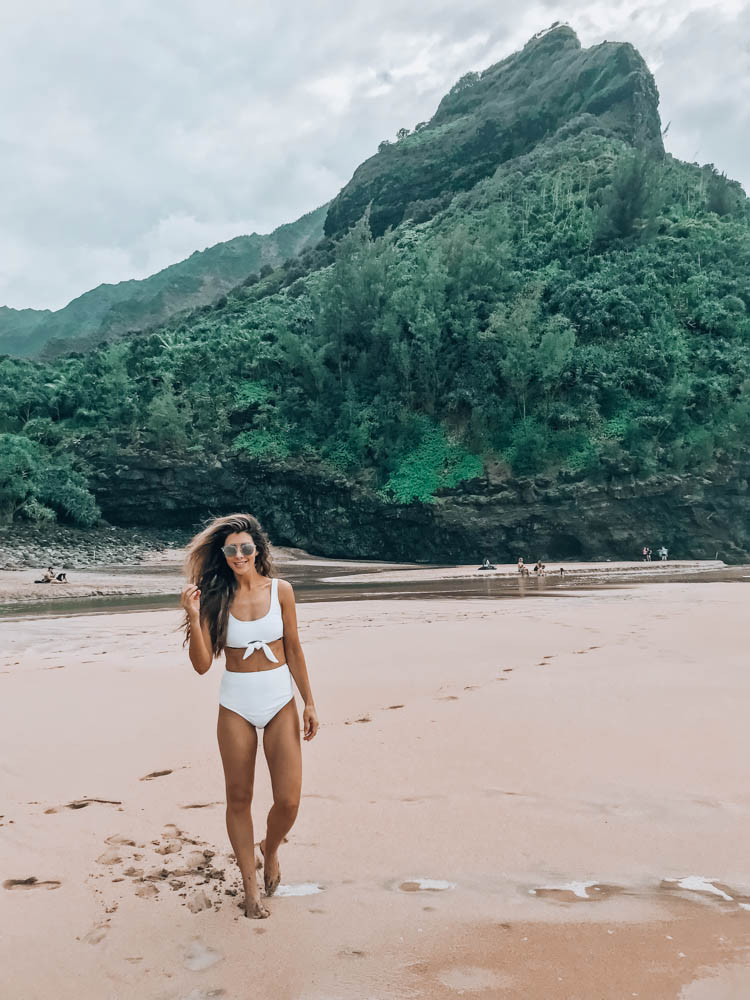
[495, 116]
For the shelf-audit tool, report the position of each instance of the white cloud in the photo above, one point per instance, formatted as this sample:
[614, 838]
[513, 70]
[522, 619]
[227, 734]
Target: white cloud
[139, 132]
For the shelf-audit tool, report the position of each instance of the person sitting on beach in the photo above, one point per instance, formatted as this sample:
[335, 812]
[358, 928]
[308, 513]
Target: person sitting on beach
[61, 578]
[520, 564]
[523, 570]
[487, 564]
[47, 577]
[539, 568]
[229, 569]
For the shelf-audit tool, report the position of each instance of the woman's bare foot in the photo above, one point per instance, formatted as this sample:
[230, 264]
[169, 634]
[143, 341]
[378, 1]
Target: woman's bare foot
[254, 908]
[271, 870]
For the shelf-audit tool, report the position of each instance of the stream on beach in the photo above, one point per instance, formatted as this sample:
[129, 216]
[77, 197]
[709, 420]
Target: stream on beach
[314, 580]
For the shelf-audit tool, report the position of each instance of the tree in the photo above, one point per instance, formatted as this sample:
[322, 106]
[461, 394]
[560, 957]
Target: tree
[718, 193]
[630, 203]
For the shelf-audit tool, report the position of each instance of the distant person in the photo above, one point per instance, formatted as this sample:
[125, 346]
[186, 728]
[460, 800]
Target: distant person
[231, 581]
[524, 570]
[487, 564]
[47, 577]
[663, 552]
[648, 555]
[520, 564]
[562, 571]
[539, 568]
[645, 553]
[61, 578]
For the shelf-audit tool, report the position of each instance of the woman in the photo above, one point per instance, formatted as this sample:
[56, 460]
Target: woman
[232, 603]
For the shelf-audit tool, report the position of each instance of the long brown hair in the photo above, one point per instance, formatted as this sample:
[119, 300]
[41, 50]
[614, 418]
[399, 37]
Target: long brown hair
[206, 567]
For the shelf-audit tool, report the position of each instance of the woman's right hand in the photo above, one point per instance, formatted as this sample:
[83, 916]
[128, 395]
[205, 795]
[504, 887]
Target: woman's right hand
[190, 600]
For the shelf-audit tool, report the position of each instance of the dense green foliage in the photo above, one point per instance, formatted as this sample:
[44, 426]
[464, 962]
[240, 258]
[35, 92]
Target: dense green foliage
[580, 314]
[109, 310]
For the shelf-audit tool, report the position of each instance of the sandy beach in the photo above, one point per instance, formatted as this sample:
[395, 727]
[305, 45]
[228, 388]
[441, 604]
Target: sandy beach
[541, 798]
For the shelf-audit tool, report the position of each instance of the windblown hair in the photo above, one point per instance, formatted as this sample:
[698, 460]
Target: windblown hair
[206, 567]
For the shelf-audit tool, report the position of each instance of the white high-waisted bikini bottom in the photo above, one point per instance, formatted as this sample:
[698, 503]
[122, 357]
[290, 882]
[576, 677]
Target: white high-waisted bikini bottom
[256, 695]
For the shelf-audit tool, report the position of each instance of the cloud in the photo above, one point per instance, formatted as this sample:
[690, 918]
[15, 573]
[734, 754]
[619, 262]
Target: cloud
[139, 132]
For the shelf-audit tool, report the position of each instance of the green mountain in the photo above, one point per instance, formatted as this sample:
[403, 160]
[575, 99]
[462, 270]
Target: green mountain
[548, 356]
[497, 116]
[111, 310]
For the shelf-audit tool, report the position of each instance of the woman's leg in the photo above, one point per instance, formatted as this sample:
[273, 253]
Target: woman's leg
[281, 745]
[238, 744]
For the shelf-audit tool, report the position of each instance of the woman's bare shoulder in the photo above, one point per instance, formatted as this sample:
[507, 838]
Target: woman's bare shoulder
[285, 588]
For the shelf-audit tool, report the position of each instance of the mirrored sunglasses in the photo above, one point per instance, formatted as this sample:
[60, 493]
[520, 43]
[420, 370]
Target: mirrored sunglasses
[247, 549]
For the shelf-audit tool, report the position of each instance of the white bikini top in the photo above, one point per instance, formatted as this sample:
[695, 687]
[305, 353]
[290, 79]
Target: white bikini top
[257, 632]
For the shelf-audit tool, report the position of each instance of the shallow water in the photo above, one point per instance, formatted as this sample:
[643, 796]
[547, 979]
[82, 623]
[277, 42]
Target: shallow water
[309, 587]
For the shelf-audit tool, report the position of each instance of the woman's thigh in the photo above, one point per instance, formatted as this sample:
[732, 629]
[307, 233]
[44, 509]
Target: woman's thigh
[238, 745]
[281, 745]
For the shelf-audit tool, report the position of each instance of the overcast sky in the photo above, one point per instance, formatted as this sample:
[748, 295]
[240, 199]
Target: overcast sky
[134, 133]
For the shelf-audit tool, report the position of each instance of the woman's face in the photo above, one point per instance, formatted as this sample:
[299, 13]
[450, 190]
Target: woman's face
[240, 562]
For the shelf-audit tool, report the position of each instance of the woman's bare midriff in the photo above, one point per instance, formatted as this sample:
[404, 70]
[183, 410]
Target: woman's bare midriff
[257, 660]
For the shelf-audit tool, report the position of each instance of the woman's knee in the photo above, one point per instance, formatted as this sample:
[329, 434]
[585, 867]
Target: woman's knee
[239, 797]
[288, 804]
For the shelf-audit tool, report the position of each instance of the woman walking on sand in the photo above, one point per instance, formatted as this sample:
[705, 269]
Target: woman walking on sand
[233, 604]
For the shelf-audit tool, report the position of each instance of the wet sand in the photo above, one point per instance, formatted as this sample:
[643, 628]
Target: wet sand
[159, 574]
[158, 581]
[505, 799]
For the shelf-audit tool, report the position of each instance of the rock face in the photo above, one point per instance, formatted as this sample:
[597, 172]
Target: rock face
[24, 545]
[694, 517]
[498, 115]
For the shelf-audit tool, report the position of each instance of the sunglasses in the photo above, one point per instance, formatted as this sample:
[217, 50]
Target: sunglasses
[247, 549]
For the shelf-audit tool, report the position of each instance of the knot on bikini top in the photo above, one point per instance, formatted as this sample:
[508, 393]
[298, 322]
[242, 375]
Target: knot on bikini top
[259, 644]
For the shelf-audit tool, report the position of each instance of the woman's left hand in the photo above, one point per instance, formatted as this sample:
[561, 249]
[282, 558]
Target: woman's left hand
[310, 722]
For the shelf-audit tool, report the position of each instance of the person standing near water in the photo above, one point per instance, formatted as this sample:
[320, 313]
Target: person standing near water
[231, 585]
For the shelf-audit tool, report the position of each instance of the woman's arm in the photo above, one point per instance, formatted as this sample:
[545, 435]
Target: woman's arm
[296, 658]
[199, 650]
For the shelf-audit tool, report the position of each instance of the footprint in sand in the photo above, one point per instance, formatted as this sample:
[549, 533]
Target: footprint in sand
[199, 956]
[156, 774]
[185, 872]
[170, 847]
[96, 934]
[111, 857]
[200, 994]
[707, 888]
[425, 885]
[474, 979]
[147, 890]
[364, 718]
[30, 883]
[82, 803]
[201, 805]
[391, 707]
[199, 902]
[575, 892]
[447, 697]
[299, 889]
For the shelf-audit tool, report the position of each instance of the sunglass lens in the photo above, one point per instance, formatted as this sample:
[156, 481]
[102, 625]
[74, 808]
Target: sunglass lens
[231, 550]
